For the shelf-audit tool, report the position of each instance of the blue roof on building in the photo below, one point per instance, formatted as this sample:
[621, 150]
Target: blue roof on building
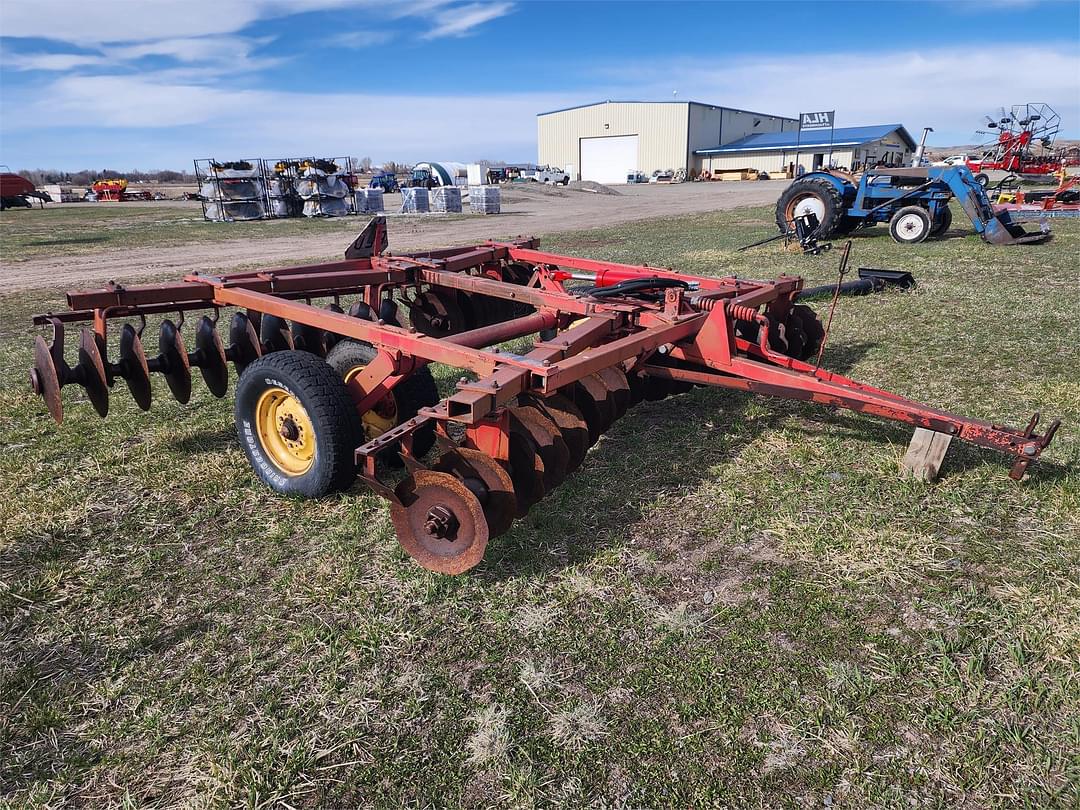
[841, 136]
[665, 101]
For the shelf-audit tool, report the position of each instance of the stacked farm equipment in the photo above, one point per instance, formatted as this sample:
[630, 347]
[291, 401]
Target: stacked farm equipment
[232, 191]
[325, 185]
[330, 391]
[914, 202]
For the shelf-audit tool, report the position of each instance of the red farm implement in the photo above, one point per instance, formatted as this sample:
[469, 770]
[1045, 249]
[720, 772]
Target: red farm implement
[325, 394]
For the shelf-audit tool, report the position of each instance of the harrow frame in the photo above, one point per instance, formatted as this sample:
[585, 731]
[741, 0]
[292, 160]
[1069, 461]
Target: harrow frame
[637, 332]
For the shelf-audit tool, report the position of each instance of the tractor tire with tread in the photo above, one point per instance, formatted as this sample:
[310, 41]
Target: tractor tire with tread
[300, 392]
[831, 201]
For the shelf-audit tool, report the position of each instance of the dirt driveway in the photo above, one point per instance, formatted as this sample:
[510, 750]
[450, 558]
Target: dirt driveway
[527, 210]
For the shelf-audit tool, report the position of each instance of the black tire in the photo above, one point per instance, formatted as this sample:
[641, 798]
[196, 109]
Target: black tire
[416, 391]
[831, 206]
[942, 223]
[566, 180]
[910, 225]
[982, 179]
[326, 403]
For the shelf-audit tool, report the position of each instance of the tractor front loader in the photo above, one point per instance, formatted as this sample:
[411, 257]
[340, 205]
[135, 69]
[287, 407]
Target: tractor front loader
[327, 393]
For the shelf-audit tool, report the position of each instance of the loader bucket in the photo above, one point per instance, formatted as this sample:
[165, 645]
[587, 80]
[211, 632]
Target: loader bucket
[1001, 230]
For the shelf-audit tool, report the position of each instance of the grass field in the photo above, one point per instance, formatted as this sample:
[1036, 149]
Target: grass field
[736, 601]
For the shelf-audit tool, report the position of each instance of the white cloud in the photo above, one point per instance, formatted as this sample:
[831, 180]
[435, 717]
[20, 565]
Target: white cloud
[168, 123]
[361, 39]
[100, 21]
[457, 21]
[946, 89]
[52, 61]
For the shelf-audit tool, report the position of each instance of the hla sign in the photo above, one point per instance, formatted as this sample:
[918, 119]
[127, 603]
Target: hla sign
[816, 120]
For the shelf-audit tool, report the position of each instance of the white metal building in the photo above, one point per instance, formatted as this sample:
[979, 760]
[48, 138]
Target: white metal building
[848, 147]
[607, 140]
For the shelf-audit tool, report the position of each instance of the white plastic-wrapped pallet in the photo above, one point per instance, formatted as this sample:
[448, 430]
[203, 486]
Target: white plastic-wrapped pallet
[415, 201]
[485, 200]
[369, 200]
[446, 200]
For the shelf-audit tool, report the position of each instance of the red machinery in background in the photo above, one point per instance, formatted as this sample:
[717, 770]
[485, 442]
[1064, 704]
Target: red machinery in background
[338, 393]
[110, 189]
[1018, 132]
[16, 192]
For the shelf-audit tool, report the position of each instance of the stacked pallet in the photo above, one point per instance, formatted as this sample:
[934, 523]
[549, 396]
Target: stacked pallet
[415, 201]
[485, 200]
[446, 200]
[369, 200]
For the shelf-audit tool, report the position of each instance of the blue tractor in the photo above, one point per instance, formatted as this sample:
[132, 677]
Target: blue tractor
[915, 203]
[387, 181]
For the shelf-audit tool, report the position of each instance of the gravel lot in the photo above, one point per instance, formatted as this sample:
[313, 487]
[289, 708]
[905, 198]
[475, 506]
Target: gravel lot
[527, 210]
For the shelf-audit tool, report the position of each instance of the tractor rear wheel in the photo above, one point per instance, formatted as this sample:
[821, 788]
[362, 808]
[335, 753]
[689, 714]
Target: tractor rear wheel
[819, 197]
[297, 424]
[910, 225]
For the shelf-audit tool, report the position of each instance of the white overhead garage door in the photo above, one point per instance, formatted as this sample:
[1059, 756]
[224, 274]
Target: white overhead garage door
[608, 160]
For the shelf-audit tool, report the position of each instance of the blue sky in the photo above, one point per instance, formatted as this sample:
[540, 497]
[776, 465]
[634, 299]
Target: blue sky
[154, 83]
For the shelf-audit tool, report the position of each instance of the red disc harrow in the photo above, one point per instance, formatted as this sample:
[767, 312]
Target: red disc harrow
[327, 391]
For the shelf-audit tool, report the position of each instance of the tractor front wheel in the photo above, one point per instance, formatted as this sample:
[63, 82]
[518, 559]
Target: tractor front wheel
[982, 179]
[910, 225]
[818, 197]
[297, 424]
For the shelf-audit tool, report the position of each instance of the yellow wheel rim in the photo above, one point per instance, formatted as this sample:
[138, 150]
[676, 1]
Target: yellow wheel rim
[285, 431]
[382, 417]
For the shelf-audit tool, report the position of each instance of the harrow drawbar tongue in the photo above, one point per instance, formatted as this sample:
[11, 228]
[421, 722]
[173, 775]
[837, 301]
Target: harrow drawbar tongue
[325, 393]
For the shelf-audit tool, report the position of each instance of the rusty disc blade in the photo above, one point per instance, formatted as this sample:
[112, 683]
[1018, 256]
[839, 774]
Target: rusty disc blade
[486, 479]
[255, 318]
[553, 450]
[309, 339]
[90, 372]
[329, 338]
[275, 334]
[244, 347]
[133, 366]
[618, 387]
[211, 355]
[438, 313]
[174, 361]
[44, 379]
[526, 468]
[601, 412]
[440, 522]
[571, 423]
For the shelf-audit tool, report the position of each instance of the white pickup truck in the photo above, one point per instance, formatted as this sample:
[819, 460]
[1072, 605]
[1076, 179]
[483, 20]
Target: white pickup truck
[548, 174]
